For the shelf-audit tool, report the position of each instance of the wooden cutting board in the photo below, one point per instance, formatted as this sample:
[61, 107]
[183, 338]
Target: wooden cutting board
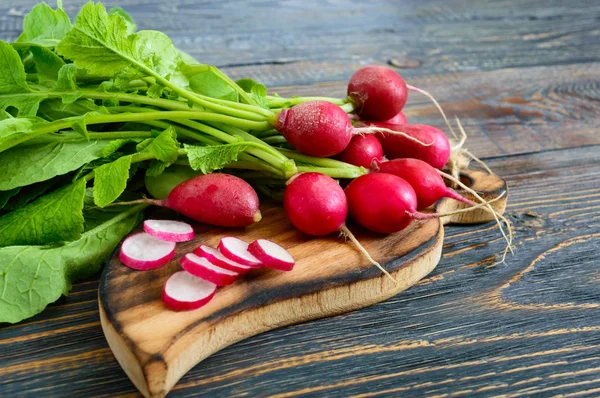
[156, 346]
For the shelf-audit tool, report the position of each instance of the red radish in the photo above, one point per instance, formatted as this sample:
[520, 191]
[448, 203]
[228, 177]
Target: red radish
[378, 92]
[171, 231]
[321, 128]
[362, 150]
[143, 252]
[400, 118]
[217, 258]
[383, 203]
[271, 254]
[317, 128]
[315, 204]
[237, 250]
[202, 268]
[424, 179]
[398, 146]
[184, 291]
[216, 199]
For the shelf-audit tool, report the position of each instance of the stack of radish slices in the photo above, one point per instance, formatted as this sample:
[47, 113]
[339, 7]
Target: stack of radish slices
[205, 269]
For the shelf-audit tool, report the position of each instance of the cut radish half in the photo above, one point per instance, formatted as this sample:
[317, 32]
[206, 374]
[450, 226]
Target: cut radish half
[215, 257]
[202, 268]
[272, 255]
[171, 231]
[237, 250]
[184, 291]
[143, 252]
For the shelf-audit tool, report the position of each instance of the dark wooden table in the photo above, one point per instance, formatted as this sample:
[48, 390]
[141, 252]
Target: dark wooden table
[524, 77]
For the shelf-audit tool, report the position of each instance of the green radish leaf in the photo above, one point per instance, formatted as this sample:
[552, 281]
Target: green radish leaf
[66, 83]
[55, 109]
[31, 192]
[13, 83]
[56, 217]
[31, 277]
[128, 19]
[47, 63]
[213, 157]
[114, 145]
[44, 26]
[103, 45]
[12, 129]
[21, 166]
[209, 83]
[259, 94]
[156, 168]
[164, 147]
[6, 195]
[110, 180]
[143, 145]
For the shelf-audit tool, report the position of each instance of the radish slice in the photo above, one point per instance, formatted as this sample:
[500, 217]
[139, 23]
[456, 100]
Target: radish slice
[237, 250]
[184, 291]
[171, 231]
[202, 268]
[143, 252]
[215, 257]
[272, 255]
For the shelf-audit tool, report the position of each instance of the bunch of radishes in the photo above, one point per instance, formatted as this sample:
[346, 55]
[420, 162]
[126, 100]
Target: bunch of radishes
[204, 269]
[386, 198]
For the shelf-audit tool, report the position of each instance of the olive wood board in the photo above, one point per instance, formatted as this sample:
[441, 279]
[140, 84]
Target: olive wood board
[156, 346]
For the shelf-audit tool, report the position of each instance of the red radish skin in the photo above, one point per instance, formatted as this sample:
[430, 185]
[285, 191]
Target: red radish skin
[216, 199]
[215, 257]
[381, 202]
[315, 204]
[362, 150]
[424, 179]
[202, 268]
[237, 250]
[400, 118]
[184, 291]
[317, 128]
[272, 255]
[168, 230]
[142, 252]
[378, 92]
[397, 146]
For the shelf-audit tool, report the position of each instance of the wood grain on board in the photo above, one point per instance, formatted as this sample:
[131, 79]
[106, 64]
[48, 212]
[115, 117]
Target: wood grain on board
[523, 78]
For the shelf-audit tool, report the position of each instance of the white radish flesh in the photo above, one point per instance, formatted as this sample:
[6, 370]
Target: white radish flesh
[142, 252]
[237, 250]
[215, 257]
[271, 255]
[202, 268]
[171, 231]
[184, 291]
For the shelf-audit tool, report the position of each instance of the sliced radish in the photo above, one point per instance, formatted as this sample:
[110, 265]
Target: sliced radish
[215, 257]
[171, 231]
[202, 268]
[237, 250]
[271, 255]
[143, 252]
[184, 291]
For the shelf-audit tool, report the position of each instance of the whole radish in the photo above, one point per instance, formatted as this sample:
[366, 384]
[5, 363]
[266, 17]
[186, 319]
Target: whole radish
[398, 146]
[317, 128]
[216, 199]
[428, 185]
[321, 128]
[378, 92]
[317, 205]
[362, 150]
[400, 118]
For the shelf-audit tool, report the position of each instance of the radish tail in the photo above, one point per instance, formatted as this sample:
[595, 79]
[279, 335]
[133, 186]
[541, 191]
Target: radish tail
[452, 194]
[372, 130]
[347, 233]
[425, 93]
[426, 216]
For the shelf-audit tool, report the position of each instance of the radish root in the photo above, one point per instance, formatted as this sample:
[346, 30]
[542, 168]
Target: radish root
[427, 216]
[425, 93]
[489, 209]
[348, 234]
[372, 130]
